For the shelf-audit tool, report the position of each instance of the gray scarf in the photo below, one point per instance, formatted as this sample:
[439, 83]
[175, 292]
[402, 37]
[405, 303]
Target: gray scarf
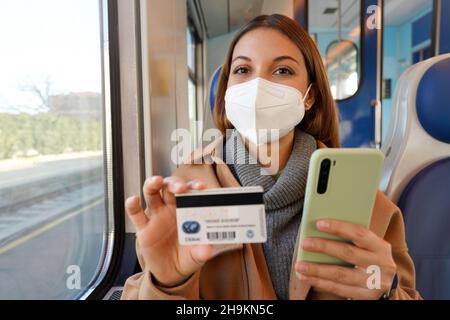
[283, 199]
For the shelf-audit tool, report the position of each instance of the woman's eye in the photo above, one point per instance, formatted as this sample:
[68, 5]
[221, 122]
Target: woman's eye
[283, 71]
[241, 70]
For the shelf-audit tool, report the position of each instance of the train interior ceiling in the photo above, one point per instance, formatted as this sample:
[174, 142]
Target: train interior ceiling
[90, 96]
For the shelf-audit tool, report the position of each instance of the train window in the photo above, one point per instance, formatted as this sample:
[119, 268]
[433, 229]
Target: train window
[53, 208]
[407, 39]
[335, 26]
[341, 60]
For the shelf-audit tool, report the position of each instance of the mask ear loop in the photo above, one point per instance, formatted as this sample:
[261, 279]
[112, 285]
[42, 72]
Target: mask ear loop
[306, 93]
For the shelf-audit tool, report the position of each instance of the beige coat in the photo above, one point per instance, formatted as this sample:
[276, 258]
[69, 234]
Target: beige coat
[240, 271]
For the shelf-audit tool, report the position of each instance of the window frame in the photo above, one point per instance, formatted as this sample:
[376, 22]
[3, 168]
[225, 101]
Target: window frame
[193, 74]
[114, 237]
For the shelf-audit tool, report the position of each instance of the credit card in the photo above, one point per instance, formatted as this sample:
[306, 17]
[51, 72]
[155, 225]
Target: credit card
[220, 216]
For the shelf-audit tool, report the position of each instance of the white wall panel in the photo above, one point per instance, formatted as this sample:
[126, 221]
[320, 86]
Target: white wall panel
[165, 77]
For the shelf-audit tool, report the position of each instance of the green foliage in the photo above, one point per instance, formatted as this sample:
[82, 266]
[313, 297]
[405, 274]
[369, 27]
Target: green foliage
[47, 133]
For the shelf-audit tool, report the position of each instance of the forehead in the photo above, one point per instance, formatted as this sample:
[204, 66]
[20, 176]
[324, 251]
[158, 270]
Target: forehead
[266, 43]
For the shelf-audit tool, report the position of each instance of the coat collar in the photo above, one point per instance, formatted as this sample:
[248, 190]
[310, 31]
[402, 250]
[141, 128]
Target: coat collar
[213, 153]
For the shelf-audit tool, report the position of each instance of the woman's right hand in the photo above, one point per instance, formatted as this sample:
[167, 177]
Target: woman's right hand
[156, 228]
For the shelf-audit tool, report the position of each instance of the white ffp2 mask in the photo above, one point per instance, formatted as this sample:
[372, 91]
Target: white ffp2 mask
[259, 107]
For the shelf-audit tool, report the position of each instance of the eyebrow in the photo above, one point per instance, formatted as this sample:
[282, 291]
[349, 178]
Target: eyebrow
[241, 57]
[277, 59]
[285, 58]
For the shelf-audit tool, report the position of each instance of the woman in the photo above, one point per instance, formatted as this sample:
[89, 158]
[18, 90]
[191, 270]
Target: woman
[272, 57]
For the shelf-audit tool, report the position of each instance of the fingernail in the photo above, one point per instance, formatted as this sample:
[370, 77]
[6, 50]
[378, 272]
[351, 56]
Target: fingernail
[302, 267]
[195, 183]
[308, 244]
[323, 225]
[130, 201]
[154, 178]
[201, 185]
[178, 185]
[301, 276]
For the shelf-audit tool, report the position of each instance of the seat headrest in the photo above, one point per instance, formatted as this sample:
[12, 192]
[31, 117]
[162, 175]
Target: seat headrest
[433, 101]
[213, 88]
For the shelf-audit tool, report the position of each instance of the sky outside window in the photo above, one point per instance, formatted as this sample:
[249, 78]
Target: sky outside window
[54, 40]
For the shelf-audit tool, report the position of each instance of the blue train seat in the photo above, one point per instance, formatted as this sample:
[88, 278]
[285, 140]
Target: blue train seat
[416, 175]
[213, 88]
[210, 100]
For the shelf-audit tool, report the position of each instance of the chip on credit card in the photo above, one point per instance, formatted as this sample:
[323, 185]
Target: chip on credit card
[221, 216]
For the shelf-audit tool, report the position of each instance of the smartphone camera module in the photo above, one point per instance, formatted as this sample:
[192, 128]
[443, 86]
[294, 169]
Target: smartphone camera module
[323, 176]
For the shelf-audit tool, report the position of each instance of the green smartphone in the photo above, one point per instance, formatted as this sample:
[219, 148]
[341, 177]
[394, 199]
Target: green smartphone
[342, 185]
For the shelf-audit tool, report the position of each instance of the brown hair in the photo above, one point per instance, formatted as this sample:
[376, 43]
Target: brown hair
[321, 121]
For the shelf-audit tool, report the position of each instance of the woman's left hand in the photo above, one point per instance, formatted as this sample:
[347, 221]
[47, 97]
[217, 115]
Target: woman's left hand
[366, 250]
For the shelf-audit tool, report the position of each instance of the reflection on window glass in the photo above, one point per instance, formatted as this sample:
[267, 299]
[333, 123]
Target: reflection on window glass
[191, 45]
[335, 26]
[192, 109]
[407, 38]
[190, 49]
[341, 63]
[52, 207]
